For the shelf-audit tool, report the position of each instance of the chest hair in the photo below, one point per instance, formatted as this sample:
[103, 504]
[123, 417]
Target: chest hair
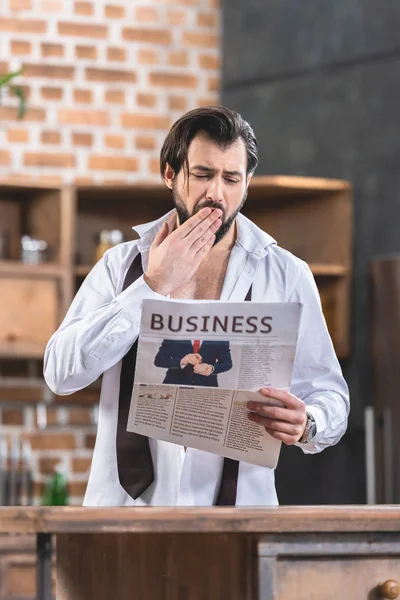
[207, 282]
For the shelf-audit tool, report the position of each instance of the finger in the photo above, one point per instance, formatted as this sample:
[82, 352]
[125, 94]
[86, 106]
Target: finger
[289, 400]
[287, 439]
[296, 417]
[190, 224]
[213, 221]
[161, 235]
[204, 250]
[202, 240]
[274, 425]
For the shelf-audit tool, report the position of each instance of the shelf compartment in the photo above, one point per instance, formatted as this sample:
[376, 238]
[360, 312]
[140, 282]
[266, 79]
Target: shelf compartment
[29, 315]
[31, 211]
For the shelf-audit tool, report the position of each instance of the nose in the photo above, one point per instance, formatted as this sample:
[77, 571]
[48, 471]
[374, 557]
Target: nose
[214, 190]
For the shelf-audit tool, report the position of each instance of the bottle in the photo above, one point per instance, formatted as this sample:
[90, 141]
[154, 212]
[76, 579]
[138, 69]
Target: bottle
[56, 492]
[104, 244]
[107, 240]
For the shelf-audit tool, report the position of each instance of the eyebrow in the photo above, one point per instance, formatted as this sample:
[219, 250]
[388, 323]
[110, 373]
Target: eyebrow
[210, 170]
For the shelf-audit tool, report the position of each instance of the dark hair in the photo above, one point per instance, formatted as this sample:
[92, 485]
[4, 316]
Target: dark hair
[221, 124]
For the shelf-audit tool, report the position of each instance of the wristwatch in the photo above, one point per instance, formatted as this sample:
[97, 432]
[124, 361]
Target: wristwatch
[310, 429]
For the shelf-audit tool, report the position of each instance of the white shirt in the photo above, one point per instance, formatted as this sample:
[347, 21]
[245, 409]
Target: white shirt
[103, 323]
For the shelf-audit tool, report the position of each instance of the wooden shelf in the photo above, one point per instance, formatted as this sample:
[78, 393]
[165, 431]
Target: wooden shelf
[16, 268]
[22, 350]
[299, 185]
[270, 185]
[324, 270]
[321, 270]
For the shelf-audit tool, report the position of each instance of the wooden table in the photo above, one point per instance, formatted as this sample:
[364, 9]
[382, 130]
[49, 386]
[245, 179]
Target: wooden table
[279, 553]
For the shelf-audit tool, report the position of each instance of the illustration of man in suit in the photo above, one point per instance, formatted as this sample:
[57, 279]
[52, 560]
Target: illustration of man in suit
[192, 362]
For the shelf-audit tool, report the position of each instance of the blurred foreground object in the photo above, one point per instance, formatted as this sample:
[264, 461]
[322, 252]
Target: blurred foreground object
[385, 318]
[56, 492]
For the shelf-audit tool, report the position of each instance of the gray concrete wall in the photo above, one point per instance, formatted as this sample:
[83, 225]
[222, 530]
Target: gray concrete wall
[320, 83]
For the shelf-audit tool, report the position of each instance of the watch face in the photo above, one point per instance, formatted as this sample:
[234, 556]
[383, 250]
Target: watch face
[312, 429]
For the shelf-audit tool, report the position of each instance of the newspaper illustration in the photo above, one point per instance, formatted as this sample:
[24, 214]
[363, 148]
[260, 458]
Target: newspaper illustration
[199, 363]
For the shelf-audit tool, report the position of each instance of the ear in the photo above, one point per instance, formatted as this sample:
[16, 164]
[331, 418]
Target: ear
[249, 176]
[169, 176]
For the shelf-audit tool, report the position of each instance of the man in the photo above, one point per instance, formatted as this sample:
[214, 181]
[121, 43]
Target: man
[196, 363]
[203, 249]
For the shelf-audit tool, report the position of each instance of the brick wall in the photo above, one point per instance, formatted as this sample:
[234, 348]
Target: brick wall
[65, 443]
[105, 79]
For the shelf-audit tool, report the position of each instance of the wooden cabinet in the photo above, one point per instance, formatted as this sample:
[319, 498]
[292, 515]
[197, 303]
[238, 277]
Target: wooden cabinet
[322, 566]
[30, 314]
[310, 217]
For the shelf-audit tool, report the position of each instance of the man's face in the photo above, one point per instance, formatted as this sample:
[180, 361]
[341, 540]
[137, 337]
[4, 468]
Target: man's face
[217, 178]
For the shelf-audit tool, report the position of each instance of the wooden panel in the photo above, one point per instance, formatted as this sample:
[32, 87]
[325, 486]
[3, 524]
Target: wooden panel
[20, 576]
[199, 519]
[10, 216]
[154, 567]
[29, 310]
[68, 225]
[385, 320]
[43, 220]
[334, 294]
[327, 579]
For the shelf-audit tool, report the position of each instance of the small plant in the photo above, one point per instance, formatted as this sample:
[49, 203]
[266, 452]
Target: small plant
[17, 91]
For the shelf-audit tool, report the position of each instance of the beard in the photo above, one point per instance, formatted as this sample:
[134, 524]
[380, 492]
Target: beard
[184, 214]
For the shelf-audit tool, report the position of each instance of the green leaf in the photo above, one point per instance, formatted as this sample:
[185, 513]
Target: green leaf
[21, 101]
[5, 79]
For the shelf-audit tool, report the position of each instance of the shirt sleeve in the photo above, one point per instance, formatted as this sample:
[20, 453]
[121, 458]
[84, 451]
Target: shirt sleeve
[97, 331]
[317, 376]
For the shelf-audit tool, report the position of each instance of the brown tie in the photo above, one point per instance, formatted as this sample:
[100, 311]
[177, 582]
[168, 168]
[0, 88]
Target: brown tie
[135, 465]
[134, 461]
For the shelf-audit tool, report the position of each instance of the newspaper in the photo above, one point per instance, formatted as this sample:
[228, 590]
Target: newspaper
[199, 363]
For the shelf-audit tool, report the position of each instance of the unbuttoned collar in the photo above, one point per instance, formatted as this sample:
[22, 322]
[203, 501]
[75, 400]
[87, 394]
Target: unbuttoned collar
[250, 237]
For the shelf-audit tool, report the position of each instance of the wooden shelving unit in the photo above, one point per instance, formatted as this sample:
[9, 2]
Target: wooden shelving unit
[310, 217]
